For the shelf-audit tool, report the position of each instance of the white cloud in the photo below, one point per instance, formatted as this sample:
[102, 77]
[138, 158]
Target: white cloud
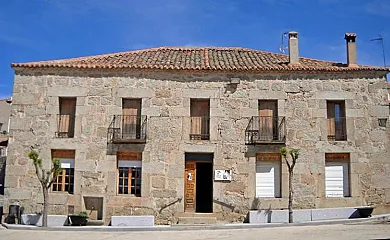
[379, 7]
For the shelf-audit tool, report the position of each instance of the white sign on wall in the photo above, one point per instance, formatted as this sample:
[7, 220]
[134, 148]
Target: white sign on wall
[223, 175]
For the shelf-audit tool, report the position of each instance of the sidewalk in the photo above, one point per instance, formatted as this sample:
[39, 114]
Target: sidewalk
[375, 218]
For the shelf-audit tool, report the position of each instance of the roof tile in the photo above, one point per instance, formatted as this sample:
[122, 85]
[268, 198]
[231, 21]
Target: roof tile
[197, 58]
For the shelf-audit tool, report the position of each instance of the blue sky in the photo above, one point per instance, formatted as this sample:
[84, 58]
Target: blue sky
[32, 30]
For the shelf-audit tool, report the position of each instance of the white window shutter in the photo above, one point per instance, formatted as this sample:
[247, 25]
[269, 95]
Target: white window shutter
[336, 179]
[267, 179]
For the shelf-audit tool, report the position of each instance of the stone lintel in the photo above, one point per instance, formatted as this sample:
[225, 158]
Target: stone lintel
[199, 148]
[67, 91]
[135, 93]
[339, 95]
[269, 95]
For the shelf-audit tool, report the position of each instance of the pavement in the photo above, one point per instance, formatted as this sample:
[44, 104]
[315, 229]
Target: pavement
[363, 230]
[238, 226]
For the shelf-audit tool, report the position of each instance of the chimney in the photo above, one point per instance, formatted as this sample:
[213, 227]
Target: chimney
[351, 49]
[293, 50]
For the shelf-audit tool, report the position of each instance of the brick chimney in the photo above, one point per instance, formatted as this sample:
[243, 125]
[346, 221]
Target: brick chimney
[351, 49]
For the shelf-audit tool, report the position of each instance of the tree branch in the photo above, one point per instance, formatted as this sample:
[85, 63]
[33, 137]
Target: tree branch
[288, 163]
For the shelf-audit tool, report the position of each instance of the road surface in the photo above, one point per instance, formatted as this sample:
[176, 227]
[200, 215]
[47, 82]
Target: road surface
[356, 231]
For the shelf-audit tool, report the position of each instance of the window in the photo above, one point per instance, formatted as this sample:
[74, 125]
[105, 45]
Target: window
[337, 130]
[65, 180]
[66, 117]
[268, 175]
[337, 175]
[129, 173]
[200, 119]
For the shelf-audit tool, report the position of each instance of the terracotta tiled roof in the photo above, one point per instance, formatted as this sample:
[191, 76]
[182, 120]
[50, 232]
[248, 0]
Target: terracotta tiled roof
[197, 58]
[6, 99]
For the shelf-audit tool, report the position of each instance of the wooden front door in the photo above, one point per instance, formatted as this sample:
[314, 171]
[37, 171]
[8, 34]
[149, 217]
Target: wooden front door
[267, 120]
[190, 186]
[131, 119]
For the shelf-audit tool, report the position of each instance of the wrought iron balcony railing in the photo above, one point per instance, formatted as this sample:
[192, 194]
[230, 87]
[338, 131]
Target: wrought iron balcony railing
[262, 130]
[127, 129]
[337, 129]
[65, 125]
[200, 128]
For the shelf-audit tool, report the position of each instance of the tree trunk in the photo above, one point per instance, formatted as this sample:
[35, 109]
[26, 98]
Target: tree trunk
[45, 205]
[290, 196]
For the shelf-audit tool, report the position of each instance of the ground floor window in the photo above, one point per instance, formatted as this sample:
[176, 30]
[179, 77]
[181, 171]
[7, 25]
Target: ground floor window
[337, 175]
[65, 180]
[268, 175]
[129, 173]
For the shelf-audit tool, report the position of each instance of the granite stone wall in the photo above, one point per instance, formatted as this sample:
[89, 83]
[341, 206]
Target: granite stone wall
[166, 102]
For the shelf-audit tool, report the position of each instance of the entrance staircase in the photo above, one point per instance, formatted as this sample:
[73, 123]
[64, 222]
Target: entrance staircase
[197, 219]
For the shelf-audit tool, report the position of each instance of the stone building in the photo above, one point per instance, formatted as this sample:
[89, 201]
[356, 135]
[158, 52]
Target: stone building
[5, 112]
[175, 130]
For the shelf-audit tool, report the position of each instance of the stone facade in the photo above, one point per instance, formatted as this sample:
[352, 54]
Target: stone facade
[5, 111]
[166, 98]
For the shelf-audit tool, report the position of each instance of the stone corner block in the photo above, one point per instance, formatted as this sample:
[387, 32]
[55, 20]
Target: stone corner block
[52, 220]
[332, 213]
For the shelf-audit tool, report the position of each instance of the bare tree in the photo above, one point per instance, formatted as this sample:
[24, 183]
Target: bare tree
[294, 153]
[46, 178]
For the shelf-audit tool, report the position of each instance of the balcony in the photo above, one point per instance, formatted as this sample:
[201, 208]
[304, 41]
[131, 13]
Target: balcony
[337, 129]
[200, 128]
[65, 125]
[127, 129]
[265, 130]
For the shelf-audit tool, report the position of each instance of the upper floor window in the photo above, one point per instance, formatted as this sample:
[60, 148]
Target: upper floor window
[65, 180]
[130, 126]
[200, 119]
[66, 117]
[267, 126]
[337, 127]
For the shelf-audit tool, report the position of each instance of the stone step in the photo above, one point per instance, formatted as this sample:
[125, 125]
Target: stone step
[197, 220]
[195, 214]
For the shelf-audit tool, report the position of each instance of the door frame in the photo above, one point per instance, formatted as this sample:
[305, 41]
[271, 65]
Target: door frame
[194, 158]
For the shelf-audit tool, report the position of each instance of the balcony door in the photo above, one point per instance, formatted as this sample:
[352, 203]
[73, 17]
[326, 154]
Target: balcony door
[336, 120]
[131, 118]
[268, 120]
[66, 117]
[200, 119]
